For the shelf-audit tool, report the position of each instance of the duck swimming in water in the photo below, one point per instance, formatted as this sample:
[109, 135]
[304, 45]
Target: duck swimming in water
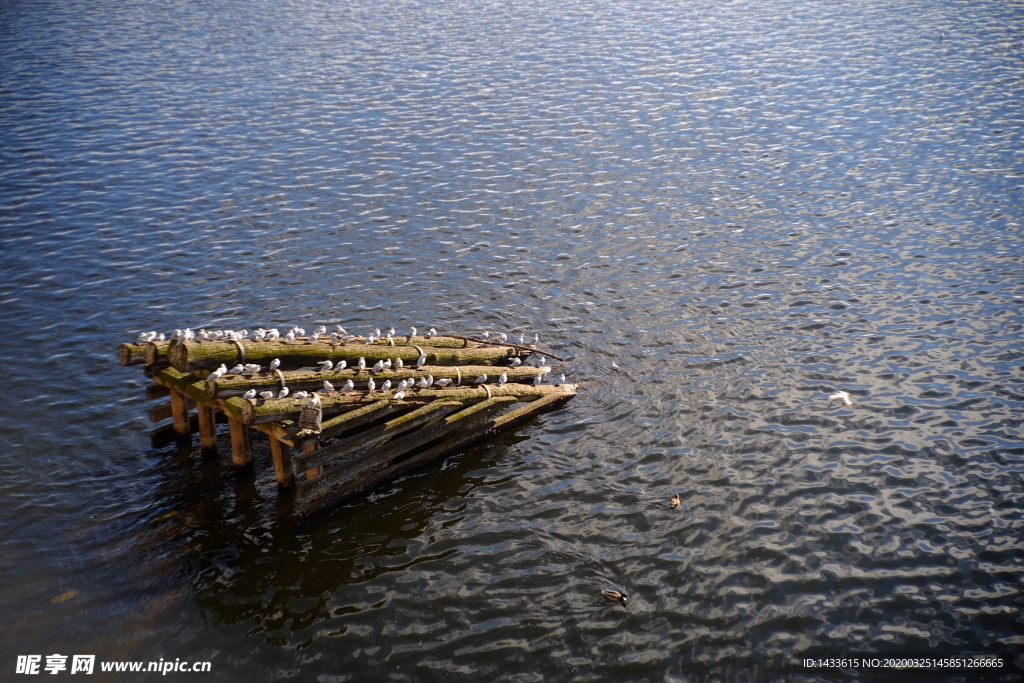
[615, 596]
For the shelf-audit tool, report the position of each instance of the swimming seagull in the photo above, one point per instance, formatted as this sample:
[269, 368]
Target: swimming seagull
[839, 396]
[615, 366]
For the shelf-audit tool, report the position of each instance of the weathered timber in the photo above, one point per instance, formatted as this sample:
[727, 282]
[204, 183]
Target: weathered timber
[381, 453]
[354, 419]
[370, 437]
[155, 352]
[154, 391]
[312, 380]
[180, 419]
[524, 348]
[256, 411]
[192, 355]
[281, 454]
[160, 413]
[130, 354]
[241, 445]
[164, 434]
[207, 431]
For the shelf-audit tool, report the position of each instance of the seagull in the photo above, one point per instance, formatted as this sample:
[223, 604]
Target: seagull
[275, 364]
[215, 374]
[370, 339]
[387, 363]
[386, 385]
[370, 384]
[538, 378]
[314, 336]
[516, 362]
[839, 396]
[349, 385]
[342, 364]
[482, 379]
[561, 380]
[421, 361]
[423, 383]
[615, 366]
[252, 367]
[676, 501]
[335, 339]
[398, 364]
[272, 334]
[502, 378]
[314, 401]
[266, 395]
[341, 330]
[300, 394]
[431, 333]
[362, 363]
[299, 332]
[321, 330]
[284, 392]
[615, 596]
[290, 336]
[325, 365]
[543, 361]
[399, 395]
[237, 370]
[377, 367]
[443, 382]
[249, 394]
[376, 332]
[412, 332]
[391, 332]
[536, 340]
[328, 386]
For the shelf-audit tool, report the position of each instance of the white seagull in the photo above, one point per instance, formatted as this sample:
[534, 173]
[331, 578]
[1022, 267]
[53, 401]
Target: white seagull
[362, 363]
[328, 386]
[370, 384]
[237, 370]
[841, 396]
[443, 382]
[516, 362]
[341, 365]
[300, 395]
[386, 385]
[421, 361]
[249, 394]
[266, 395]
[349, 385]
[482, 379]
[561, 381]
[275, 364]
[325, 365]
[502, 378]
[377, 367]
[284, 392]
[399, 395]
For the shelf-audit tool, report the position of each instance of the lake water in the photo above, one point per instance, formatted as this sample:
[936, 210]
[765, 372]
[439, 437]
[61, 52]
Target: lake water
[747, 205]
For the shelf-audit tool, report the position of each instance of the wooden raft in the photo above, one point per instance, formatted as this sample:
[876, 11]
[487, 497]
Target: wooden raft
[366, 437]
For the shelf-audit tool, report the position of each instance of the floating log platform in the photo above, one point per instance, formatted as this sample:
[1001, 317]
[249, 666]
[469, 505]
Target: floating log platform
[343, 443]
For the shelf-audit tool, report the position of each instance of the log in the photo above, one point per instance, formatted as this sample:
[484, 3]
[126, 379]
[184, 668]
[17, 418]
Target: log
[179, 415]
[312, 380]
[281, 454]
[155, 352]
[192, 355]
[130, 354]
[163, 435]
[154, 391]
[160, 413]
[256, 411]
[207, 431]
[241, 446]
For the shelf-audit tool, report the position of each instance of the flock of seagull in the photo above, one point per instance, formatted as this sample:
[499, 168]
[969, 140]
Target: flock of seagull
[339, 335]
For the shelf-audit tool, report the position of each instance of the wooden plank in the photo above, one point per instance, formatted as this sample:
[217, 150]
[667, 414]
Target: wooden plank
[309, 446]
[155, 391]
[372, 436]
[160, 413]
[282, 455]
[241, 446]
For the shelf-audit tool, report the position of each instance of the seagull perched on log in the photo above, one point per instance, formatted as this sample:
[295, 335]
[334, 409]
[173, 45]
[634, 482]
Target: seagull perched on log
[443, 382]
[362, 363]
[335, 339]
[249, 394]
[421, 361]
[370, 384]
[300, 395]
[431, 333]
[398, 364]
[284, 392]
[342, 364]
[516, 362]
[325, 365]
[560, 381]
[237, 370]
[423, 383]
[377, 367]
[290, 336]
[840, 396]
[313, 337]
[482, 379]
[412, 332]
[502, 378]
[275, 364]
[328, 386]
[266, 395]
[253, 367]
[538, 378]
[399, 395]
[314, 401]
[386, 385]
[349, 385]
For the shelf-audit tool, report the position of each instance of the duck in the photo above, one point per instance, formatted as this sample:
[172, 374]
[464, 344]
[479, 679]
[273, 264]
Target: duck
[676, 501]
[615, 596]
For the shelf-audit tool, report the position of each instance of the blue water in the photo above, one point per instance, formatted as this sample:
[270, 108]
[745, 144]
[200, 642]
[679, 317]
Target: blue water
[746, 205]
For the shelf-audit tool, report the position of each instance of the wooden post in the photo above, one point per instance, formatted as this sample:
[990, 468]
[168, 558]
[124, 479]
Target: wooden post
[309, 446]
[207, 432]
[179, 411]
[241, 447]
[282, 453]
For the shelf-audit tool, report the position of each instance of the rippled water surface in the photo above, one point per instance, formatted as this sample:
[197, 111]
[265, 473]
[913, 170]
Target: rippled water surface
[746, 205]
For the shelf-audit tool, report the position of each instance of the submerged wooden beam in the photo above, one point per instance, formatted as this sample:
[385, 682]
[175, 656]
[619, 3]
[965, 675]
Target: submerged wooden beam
[194, 355]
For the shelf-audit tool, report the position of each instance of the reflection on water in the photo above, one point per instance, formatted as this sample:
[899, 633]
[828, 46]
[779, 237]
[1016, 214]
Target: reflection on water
[745, 206]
